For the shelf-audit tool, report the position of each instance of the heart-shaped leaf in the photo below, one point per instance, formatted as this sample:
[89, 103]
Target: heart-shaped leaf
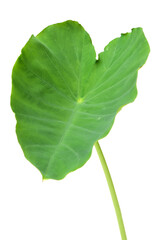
[65, 100]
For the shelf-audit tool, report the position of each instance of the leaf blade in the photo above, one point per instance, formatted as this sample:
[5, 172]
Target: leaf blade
[64, 100]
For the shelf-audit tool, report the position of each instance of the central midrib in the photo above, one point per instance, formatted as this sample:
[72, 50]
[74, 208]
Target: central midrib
[68, 124]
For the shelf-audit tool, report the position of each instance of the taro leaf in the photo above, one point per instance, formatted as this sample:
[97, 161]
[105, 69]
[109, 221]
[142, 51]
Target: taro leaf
[65, 100]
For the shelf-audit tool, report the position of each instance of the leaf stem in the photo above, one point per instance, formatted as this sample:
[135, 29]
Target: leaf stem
[112, 191]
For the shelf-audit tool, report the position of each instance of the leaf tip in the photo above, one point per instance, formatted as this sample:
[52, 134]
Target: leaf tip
[43, 178]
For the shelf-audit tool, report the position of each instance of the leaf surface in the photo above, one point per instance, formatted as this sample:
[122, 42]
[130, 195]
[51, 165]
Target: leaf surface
[65, 100]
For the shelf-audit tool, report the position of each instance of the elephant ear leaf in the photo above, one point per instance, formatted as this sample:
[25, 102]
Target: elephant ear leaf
[65, 100]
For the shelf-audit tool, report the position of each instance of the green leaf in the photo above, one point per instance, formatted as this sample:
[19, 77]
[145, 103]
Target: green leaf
[65, 100]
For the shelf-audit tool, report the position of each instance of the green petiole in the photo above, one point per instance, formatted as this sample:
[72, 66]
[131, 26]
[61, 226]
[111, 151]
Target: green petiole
[112, 191]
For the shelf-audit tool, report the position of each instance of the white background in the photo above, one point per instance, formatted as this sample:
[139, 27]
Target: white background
[80, 206]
